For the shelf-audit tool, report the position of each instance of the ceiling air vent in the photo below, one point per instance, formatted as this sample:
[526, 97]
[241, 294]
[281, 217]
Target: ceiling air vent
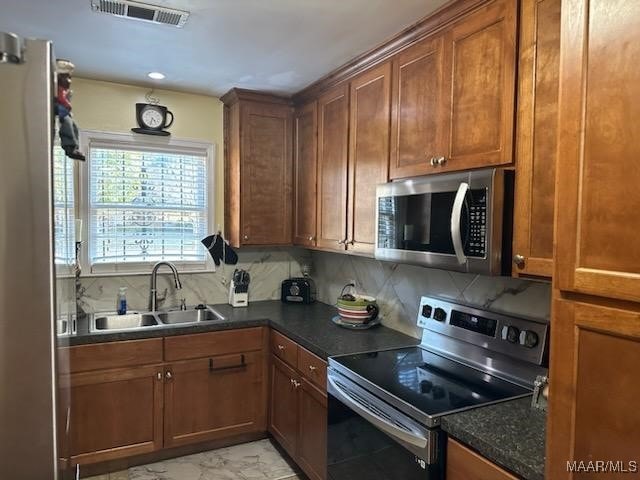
[141, 11]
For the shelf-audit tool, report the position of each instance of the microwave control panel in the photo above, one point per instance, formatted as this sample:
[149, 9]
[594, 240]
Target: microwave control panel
[477, 239]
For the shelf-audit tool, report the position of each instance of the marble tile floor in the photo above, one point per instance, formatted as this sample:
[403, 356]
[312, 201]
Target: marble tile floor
[249, 461]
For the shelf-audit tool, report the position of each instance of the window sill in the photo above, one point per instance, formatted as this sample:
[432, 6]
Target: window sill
[137, 274]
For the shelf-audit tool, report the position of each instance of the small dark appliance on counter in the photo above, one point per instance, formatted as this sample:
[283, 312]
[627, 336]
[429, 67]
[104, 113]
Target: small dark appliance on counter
[298, 290]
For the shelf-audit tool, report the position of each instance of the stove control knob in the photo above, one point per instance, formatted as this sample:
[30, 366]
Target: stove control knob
[440, 315]
[510, 334]
[528, 338]
[426, 311]
[438, 392]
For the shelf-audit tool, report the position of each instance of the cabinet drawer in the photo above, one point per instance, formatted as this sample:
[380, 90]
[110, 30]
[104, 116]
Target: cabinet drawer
[99, 356]
[284, 348]
[199, 345]
[465, 464]
[313, 368]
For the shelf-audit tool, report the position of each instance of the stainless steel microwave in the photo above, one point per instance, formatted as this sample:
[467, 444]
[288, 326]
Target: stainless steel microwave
[460, 221]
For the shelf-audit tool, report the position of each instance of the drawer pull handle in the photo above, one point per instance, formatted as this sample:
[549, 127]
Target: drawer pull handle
[280, 347]
[169, 375]
[242, 364]
[295, 383]
[312, 368]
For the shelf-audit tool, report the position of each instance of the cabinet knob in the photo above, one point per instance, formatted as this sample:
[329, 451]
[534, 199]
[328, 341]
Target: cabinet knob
[168, 375]
[280, 347]
[433, 161]
[295, 383]
[342, 242]
[438, 161]
[519, 261]
[312, 368]
[246, 237]
[159, 375]
[311, 239]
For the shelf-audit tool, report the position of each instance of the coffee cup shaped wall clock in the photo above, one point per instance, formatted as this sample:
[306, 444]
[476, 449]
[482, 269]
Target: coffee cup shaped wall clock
[152, 119]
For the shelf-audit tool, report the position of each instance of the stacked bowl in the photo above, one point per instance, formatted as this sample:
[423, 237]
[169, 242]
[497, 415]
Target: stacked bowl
[363, 309]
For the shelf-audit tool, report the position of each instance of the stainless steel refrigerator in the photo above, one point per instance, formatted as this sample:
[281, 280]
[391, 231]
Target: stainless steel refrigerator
[31, 297]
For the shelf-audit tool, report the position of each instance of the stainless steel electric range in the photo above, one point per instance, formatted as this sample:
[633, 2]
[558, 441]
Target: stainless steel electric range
[385, 406]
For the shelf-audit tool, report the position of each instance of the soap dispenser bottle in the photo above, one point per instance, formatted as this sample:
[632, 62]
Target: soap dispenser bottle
[122, 301]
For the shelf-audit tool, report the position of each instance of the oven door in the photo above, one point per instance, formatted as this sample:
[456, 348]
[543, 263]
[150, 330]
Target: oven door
[451, 221]
[367, 438]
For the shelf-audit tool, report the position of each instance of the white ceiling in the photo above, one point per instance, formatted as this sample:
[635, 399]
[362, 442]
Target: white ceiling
[274, 45]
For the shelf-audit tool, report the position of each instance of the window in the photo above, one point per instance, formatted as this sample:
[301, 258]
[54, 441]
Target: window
[63, 211]
[146, 201]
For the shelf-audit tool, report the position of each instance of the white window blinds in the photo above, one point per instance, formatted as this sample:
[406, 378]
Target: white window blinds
[63, 208]
[146, 205]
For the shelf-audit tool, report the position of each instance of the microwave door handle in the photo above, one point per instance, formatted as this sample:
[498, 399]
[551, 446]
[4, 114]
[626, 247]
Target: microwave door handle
[383, 424]
[456, 215]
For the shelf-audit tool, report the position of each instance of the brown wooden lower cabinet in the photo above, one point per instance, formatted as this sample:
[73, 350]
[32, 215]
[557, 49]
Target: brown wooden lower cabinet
[114, 413]
[465, 464]
[215, 397]
[283, 405]
[133, 410]
[298, 410]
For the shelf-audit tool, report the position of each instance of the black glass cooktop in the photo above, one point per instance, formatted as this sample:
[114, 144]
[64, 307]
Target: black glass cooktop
[429, 382]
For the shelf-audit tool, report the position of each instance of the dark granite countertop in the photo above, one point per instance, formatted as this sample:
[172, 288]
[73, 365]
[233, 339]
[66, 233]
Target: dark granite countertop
[511, 434]
[308, 325]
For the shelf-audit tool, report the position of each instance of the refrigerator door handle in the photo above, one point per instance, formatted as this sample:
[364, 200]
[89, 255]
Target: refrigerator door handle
[11, 48]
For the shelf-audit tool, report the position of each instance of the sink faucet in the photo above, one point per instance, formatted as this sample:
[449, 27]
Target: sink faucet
[153, 297]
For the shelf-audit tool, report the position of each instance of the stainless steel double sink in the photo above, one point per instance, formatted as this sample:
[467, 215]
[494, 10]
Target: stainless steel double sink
[134, 321]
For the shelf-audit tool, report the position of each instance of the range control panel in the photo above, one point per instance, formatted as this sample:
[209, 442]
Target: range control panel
[517, 337]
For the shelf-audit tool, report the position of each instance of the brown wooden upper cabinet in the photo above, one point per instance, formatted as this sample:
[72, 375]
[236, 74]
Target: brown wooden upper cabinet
[258, 169]
[598, 200]
[536, 137]
[453, 96]
[305, 168]
[370, 109]
[419, 120]
[333, 144]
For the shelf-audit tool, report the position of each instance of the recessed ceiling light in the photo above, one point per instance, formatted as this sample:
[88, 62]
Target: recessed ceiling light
[156, 75]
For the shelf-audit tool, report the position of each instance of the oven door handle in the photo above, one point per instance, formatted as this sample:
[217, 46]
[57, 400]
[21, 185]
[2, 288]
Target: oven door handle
[456, 216]
[383, 424]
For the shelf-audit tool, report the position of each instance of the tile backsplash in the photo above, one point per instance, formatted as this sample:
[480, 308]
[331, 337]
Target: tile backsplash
[267, 268]
[398, 289]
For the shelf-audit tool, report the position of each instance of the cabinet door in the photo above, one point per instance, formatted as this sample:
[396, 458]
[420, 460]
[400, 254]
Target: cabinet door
[419, 120]
[536, 137]
[213, 398]
[283, 405]
[333, 131]
[368, 153]
[114, 413]
[598, 251]
[265, 174]
[481, 60]
[312, 431]
[305, 174]
[593, 409]
[465, 464]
